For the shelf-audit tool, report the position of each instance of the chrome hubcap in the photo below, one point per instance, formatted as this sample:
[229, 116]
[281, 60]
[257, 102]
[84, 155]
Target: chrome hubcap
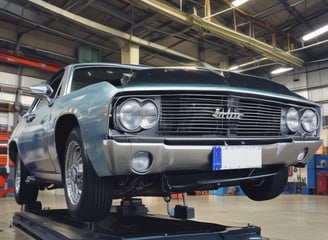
[74, 172]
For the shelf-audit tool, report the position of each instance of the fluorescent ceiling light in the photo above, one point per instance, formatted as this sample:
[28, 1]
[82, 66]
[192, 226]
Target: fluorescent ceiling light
[233, 68]
[237, 3]
[281, 70]
[315, 33]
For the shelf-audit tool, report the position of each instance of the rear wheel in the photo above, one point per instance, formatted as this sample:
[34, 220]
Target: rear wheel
[24, 193]
[267, 188]
[88, 196]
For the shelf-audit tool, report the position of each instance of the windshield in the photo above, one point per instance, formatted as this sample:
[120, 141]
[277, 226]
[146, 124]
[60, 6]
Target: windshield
[83, 77]
[178, 76]
[204, 76]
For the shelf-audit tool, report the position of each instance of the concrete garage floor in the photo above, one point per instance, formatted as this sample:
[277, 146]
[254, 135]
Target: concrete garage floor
[287, 217]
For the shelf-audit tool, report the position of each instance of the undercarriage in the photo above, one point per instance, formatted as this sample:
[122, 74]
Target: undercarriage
[177, 182]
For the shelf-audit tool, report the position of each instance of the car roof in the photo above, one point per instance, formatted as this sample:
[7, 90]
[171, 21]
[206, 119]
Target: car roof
[106, 64]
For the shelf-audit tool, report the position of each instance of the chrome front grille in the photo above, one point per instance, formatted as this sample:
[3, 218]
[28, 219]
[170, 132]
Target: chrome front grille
[219, 115]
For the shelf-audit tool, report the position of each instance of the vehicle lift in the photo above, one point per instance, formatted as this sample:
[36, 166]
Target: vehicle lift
[128, 221]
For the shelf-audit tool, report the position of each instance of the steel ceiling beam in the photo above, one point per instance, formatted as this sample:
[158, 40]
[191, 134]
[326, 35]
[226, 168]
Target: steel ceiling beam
[293, 11]
[14, 59]
[104, 6]
[274, 54]
[87, 23]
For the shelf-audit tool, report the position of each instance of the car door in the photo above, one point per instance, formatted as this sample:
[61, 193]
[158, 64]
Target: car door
[37, 132]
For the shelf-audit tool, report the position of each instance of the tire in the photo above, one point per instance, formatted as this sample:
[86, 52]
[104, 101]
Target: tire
[267, 188]
[88, 197]
[24, 193]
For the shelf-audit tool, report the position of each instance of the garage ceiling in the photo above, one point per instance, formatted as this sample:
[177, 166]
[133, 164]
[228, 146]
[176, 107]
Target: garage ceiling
[258, 36]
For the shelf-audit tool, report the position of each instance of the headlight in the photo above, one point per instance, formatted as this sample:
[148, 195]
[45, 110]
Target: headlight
[130, 115]
[149, 115]
[309, 120]
[292, 119]
[134, 114]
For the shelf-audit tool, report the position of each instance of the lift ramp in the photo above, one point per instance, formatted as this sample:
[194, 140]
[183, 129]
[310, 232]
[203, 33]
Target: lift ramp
[57, 224]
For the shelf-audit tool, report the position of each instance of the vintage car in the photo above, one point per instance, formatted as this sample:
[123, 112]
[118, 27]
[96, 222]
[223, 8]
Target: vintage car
[107, 131]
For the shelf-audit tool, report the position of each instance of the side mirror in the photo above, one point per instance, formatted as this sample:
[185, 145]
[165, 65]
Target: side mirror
[43, 90]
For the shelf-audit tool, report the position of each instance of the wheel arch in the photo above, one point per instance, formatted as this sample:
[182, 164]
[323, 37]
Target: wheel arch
[64, 126]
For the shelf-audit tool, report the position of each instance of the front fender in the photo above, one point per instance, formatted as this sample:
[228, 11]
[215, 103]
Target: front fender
[90, 108]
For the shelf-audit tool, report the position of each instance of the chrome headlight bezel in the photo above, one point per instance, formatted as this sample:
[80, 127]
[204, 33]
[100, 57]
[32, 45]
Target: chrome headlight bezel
[143, 113]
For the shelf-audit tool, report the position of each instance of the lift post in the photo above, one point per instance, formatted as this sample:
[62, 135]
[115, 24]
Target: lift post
[129, 221]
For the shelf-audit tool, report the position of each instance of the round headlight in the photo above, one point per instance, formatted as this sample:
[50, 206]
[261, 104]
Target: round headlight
[292, 120]
[309, 120]
[130, 115]
[149, 115]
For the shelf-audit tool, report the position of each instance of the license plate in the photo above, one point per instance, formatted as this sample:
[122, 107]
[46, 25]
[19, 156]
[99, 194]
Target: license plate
[236, 157]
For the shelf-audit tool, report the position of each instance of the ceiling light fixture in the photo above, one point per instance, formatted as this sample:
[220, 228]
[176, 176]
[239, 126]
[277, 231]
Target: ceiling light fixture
[281, 70]
[253, 62]
[315, 33]
[233, 68]
[237, 3]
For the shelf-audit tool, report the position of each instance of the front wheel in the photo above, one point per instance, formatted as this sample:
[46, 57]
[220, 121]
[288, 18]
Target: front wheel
[24, 193]
[88, 197]
[266, 188]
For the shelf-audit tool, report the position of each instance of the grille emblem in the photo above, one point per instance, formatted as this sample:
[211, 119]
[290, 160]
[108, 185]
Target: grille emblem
[221, 114]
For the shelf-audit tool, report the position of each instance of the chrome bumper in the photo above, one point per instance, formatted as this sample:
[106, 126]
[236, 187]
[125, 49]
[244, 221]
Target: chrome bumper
[190, 157]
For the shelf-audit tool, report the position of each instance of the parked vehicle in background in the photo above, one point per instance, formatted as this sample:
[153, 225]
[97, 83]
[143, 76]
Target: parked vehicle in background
[105, 131]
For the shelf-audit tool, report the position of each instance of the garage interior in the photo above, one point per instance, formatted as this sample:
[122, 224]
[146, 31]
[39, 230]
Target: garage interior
[267, 38]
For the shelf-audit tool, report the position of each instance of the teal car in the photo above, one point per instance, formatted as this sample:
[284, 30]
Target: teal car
[106, 131]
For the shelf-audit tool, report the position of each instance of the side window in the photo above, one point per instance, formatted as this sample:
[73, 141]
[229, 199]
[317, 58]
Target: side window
[34, 105]
[55, 84]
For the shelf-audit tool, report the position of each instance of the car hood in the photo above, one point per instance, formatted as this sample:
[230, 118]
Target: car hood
[205, 77]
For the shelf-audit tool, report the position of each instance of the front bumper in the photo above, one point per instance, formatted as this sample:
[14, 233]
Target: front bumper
[194, 157]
